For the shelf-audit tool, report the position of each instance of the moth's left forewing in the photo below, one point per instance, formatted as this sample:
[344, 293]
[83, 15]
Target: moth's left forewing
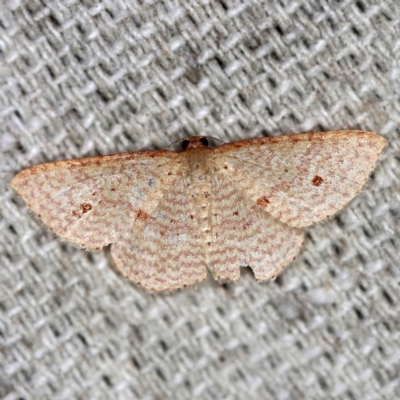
[301, 179]
[91, 202]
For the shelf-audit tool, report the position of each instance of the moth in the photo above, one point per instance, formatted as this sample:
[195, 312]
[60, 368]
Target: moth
[171, 215]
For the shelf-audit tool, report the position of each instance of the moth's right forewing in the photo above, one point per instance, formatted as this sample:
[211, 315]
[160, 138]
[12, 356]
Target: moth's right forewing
[92, 201]
[301, 179]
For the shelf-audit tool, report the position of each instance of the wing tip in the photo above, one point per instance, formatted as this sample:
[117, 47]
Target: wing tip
[20, 180]
[16, 181]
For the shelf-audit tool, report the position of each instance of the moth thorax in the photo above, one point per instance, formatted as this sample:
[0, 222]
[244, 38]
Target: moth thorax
[200, 186]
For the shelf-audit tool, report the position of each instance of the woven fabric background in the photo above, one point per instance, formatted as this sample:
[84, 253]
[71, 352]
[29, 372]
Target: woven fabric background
[84, 78]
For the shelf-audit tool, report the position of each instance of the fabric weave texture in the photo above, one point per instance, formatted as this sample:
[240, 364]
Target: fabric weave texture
[85, 78]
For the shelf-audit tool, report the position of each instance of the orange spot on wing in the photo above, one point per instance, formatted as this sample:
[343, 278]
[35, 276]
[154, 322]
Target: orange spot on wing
[83, 209]
[141, 215]
[263, 201]
[317, 180]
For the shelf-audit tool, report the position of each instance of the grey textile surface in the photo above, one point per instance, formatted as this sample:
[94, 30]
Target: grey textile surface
[84, 78]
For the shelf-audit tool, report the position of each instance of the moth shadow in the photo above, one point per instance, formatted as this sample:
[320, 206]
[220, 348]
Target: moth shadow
[247, 277]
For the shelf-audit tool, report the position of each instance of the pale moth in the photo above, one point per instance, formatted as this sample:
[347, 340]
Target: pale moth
[170, 215]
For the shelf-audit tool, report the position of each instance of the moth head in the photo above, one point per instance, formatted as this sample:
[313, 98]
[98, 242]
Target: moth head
[194, 142]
